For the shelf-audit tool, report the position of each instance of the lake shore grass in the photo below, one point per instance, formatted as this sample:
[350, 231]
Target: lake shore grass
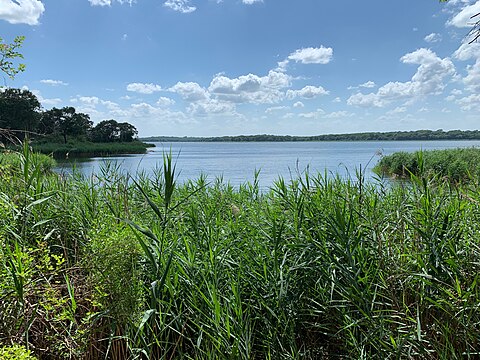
[79, 149]
[459, 164]
[132, 267]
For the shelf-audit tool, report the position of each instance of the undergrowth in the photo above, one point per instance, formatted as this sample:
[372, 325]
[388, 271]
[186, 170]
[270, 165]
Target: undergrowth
[125, 266]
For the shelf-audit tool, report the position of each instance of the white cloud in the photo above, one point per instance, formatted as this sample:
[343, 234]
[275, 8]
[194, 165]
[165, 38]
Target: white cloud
[310, 55]
[298, 104]
[471, 102]
[275, 109]
[250, 88]
[211, 107]
[308, 92]
[365, 100]
[21, 11]
[368, 85]
[428, 80]
[463, 18]
[143, 88]
[250, 2]
[190, 91]
[397, 110]
[100, 2]
[90, 100]
[472, 80]
[312, 115]
[321, 55]
[433, 38]
[53, 82]
[467, 51]
[165, 102]
[338, 114]
[337, 100]
[109, 2]
[182, 6]
[46, 102]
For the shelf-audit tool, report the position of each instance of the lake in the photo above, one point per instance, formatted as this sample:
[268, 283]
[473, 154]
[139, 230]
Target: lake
[237, 162]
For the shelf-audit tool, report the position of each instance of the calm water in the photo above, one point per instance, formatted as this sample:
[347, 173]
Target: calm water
[237, 162]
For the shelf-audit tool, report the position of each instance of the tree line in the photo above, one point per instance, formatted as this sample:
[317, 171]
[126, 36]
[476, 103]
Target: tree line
[21, 114]
[419, 135]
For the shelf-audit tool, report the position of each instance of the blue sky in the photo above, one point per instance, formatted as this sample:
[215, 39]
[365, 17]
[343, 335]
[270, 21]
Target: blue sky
[212, 67]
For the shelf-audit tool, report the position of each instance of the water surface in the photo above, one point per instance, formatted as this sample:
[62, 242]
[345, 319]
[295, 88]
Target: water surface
[237, 162]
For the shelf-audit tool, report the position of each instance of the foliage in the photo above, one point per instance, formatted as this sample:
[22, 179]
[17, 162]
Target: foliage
[66, 122]
[111, 131]
[454, 164]
[8, 54]
[19, 110]
[12, 161]
[130, 267]
[74, 149]
[15, 352]
[416, 135]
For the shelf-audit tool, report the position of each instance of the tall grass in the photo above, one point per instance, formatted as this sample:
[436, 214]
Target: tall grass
[131, 267]
[455, 164]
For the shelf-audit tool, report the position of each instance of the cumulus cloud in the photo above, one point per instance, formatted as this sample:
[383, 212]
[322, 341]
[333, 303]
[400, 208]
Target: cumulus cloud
[250, 88]
[46, 102]
[433, 38]
[308, 92]
[368, 85]
[21, 11]
[53, 82]
[310, 55]
[428, 80]
[464, 17]
[165, 102]
[250, 2]
[190, 91]
[143, 88]
[211, 107]
[471, 102]
[467, 52]
[182, 6]
[298, 104]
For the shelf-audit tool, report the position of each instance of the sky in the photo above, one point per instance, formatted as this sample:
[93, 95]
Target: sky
[231, 67]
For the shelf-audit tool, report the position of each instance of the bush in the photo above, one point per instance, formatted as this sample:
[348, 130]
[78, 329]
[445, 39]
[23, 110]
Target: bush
[15, 352]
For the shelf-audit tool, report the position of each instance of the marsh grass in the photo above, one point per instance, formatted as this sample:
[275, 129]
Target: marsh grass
[317, 267]
[457, 165]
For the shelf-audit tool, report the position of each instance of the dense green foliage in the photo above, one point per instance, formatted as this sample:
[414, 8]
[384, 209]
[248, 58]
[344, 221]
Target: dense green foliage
[15, 352]
[19, 109]
[367, 136]
[88, 149]
[453, 164]
[315, 267]
[21, 114]
[11, 160]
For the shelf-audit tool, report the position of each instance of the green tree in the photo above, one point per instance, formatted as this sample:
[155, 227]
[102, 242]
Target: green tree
[8, 54]
[111, 131]
[19, 110]
[128, 132]
[65, 122]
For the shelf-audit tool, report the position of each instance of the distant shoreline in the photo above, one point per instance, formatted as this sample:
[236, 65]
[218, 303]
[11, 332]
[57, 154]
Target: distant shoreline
[417, 135]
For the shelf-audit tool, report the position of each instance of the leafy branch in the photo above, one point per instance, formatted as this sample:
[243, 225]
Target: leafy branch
[8, 54]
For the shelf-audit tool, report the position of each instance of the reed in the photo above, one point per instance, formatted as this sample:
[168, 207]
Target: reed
[124, 266]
